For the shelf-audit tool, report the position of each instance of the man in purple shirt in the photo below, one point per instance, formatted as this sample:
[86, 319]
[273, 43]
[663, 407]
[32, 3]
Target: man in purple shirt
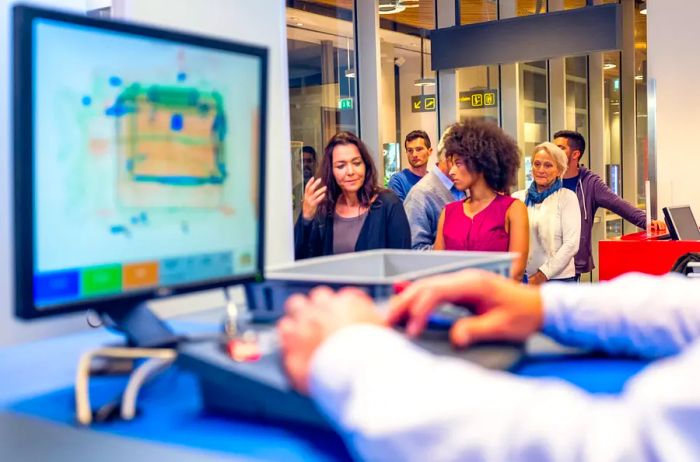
[418, 151]
[592, 193]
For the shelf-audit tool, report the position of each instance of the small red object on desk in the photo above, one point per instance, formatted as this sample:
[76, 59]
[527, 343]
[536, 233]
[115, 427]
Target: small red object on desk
[242, 350]
[401, 286]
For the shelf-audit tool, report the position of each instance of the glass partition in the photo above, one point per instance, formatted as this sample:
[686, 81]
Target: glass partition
[322, 82]
[534, 101]
[613, 136]
[577, 96]
[476, 11]
[409, 85]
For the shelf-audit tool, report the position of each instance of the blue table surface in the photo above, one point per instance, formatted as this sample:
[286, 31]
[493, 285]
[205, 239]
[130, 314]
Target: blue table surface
[38, 380]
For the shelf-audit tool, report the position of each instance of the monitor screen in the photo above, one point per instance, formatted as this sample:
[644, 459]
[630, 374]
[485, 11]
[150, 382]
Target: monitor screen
[138, 162]
[681, 223]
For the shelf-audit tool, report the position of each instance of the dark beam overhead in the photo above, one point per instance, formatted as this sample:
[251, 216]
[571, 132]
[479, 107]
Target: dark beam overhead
[528, 38]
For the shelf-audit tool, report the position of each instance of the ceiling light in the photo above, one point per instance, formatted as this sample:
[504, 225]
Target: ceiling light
[390, 7]
[424, 82]
[608, 66]
[350, 72]
[643, 8]
[638, 77]
[396, 6]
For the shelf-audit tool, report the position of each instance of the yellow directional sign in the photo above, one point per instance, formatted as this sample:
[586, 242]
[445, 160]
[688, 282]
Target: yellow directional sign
[423, 103]
[478, 99]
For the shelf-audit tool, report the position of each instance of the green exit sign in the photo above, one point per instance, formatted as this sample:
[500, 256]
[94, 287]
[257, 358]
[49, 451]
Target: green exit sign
[345, 104]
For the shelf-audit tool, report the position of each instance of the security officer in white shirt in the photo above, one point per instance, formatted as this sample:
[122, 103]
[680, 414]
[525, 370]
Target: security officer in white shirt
[393, 401]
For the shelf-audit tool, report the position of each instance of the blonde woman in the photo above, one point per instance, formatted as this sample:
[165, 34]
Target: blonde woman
[554, 217]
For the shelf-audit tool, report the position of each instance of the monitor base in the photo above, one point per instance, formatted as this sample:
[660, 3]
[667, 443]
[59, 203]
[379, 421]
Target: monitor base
[141, 327]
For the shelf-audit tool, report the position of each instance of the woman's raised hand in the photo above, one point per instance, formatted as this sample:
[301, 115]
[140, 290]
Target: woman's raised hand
[313, 195]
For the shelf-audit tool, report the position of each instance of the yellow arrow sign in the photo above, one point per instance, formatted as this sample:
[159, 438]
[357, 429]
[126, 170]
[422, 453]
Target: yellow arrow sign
[430, 103]
[416, 104]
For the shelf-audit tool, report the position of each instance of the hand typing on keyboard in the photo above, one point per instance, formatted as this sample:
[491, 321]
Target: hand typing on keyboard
[425, 303]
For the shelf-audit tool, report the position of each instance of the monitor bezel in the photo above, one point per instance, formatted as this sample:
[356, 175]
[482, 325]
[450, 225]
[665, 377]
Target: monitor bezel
[671, 222]
[23, 163]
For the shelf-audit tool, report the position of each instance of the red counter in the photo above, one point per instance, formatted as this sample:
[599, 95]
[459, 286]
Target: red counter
[642, 253]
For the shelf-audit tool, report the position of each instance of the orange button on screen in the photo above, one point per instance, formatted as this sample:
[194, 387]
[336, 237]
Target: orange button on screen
[140, 275]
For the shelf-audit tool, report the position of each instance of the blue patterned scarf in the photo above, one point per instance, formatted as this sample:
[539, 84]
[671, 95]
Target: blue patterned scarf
[535, 197]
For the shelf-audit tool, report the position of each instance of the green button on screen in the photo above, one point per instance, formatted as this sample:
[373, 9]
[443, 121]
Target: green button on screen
[101, 280]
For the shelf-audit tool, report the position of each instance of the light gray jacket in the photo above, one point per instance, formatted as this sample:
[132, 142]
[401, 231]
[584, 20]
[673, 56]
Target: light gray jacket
[423, 205]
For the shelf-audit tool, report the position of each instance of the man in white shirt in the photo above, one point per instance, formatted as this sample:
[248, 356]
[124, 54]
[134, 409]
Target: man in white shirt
[428, 197]
[391, 400]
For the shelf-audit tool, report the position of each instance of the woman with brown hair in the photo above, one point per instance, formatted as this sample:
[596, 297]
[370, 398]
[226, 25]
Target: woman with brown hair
[344, 210]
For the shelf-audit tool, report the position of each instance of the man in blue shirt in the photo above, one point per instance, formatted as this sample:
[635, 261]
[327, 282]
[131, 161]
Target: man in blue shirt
[425, 202]
[418, 151]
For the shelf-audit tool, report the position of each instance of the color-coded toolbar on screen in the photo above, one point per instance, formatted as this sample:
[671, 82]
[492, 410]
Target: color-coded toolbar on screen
[85, 283]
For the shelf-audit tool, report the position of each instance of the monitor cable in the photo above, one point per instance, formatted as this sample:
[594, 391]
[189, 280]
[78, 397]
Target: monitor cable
[158, 359]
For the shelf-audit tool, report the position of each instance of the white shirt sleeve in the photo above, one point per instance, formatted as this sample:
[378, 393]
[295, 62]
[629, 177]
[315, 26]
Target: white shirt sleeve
[571, 233]
[633, 314]
[393, 401]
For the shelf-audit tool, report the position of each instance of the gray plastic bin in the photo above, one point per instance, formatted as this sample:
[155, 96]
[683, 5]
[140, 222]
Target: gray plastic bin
[374, 271]
[261, 390]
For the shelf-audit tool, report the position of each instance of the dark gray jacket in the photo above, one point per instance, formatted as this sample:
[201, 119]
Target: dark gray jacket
[386, 227]
[592, 193]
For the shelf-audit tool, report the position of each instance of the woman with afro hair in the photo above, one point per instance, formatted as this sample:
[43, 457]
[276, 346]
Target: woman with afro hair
[485, 162]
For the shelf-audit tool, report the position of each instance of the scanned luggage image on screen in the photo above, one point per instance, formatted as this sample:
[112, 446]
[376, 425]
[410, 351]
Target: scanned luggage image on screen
[146, 162]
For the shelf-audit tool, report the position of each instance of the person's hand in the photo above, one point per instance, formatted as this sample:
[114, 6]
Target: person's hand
[506, 310]
[658, 226]
[310, 320]
[313, 195]
[537, 279]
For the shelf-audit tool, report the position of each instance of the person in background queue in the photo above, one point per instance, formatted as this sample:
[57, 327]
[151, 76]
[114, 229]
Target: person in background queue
[553, 214]
[485, 162]
[592, 193]
[418, 150]
[428, 197]
[344, 210]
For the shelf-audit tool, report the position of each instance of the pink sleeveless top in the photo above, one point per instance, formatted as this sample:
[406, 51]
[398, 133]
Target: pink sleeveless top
[485, 232]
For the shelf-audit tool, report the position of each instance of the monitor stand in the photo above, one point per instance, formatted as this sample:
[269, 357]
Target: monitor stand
[141, 327]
